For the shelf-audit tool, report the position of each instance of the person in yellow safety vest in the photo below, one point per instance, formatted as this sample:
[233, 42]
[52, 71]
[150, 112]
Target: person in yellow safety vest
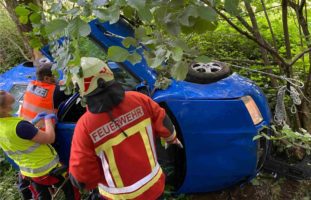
[113, 146]
[29, 147]
[43, 94]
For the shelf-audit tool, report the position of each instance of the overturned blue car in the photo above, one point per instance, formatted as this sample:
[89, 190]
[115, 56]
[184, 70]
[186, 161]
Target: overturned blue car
[216, 114]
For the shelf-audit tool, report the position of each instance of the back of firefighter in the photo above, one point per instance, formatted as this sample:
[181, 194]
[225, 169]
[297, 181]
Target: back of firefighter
[43, 94]
[113, 146]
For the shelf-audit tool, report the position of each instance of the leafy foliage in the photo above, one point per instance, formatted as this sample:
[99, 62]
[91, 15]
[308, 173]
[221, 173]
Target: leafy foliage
[8, 178]
[294, 143]
[158, 25]
[10, 41]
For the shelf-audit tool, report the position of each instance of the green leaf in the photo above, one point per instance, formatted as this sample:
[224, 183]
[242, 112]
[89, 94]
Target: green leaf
[87, 10]
[22, 11]
[128, 41]
[173, 28]
[56, 7]
[231, 6]
[203, 59]
[179, 70]
[23, 19]
[140, 32]
[73, 11]
[134, 58]
[201, 26]
[114, 14]
[81, 3]
[34, 7]
[128, 12]
[55, 26]
[102, 14]
[191, 11]
[145, 14]
[207, 13]
[159, 58]
[35, 18]
[84, 29]
[162, 83]
[255, 181]
[35, 43]
[257, 137]
[177, 53]
[117, 54]
[79, 27]
[97, 3]
[137, 4]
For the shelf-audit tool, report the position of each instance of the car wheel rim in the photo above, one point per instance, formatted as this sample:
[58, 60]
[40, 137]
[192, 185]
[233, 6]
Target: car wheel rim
[209, 68]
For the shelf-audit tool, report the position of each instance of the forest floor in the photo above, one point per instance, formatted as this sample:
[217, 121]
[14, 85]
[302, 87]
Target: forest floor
[263, 187]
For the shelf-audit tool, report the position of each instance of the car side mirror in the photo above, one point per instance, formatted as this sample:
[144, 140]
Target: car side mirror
[143, 88]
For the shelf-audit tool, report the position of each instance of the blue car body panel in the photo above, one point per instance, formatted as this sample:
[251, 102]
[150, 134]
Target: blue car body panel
[62, 144]
[211, 119]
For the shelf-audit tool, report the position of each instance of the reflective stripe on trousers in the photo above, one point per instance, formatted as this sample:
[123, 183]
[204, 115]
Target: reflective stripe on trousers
[54, 162]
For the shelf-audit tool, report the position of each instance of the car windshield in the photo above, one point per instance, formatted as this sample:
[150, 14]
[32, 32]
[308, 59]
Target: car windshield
[18, 91]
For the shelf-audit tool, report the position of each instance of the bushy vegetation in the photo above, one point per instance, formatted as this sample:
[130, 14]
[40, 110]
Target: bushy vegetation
[8, 179]
[10, 39]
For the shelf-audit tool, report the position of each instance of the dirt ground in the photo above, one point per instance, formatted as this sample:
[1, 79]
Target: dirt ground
[267, 189]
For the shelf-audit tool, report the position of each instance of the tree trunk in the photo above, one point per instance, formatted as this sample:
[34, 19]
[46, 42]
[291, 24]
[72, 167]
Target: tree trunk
[258, 36]
[10, 6]
[305, 109]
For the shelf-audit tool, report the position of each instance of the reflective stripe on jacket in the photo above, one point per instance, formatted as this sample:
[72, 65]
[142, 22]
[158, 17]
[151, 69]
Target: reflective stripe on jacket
[38, 98]
[119, 155]
[140, 141]
[33, 159]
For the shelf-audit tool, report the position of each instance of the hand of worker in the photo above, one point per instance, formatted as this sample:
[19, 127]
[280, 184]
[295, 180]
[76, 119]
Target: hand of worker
[176, 142]
[38, 117]
[51, 116]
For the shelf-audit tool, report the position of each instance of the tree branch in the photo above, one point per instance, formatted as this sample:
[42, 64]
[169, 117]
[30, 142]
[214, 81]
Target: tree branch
[251, 62]
[302, 4]
[297, 57]
[3, 4]
[246, 34]
[19, 48]
[269, 24]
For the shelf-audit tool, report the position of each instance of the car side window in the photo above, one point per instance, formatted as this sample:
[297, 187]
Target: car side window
[74, 110]
[18, 91]
[125, 78]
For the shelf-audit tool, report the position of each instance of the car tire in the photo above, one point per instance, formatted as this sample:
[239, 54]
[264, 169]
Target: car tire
[207, 72]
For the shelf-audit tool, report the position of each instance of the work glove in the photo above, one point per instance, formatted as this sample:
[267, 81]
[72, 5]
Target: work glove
[51, 116]
[38, 117]
[176, 142]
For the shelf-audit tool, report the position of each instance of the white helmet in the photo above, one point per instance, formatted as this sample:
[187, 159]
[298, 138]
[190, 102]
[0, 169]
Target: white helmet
[92, 70]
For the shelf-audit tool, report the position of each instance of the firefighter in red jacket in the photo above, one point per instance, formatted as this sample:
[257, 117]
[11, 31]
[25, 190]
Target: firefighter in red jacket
[113, 146]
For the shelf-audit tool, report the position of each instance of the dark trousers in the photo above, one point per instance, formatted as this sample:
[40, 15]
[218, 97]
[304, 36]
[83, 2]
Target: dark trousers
[23, 187]
[44, 193]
